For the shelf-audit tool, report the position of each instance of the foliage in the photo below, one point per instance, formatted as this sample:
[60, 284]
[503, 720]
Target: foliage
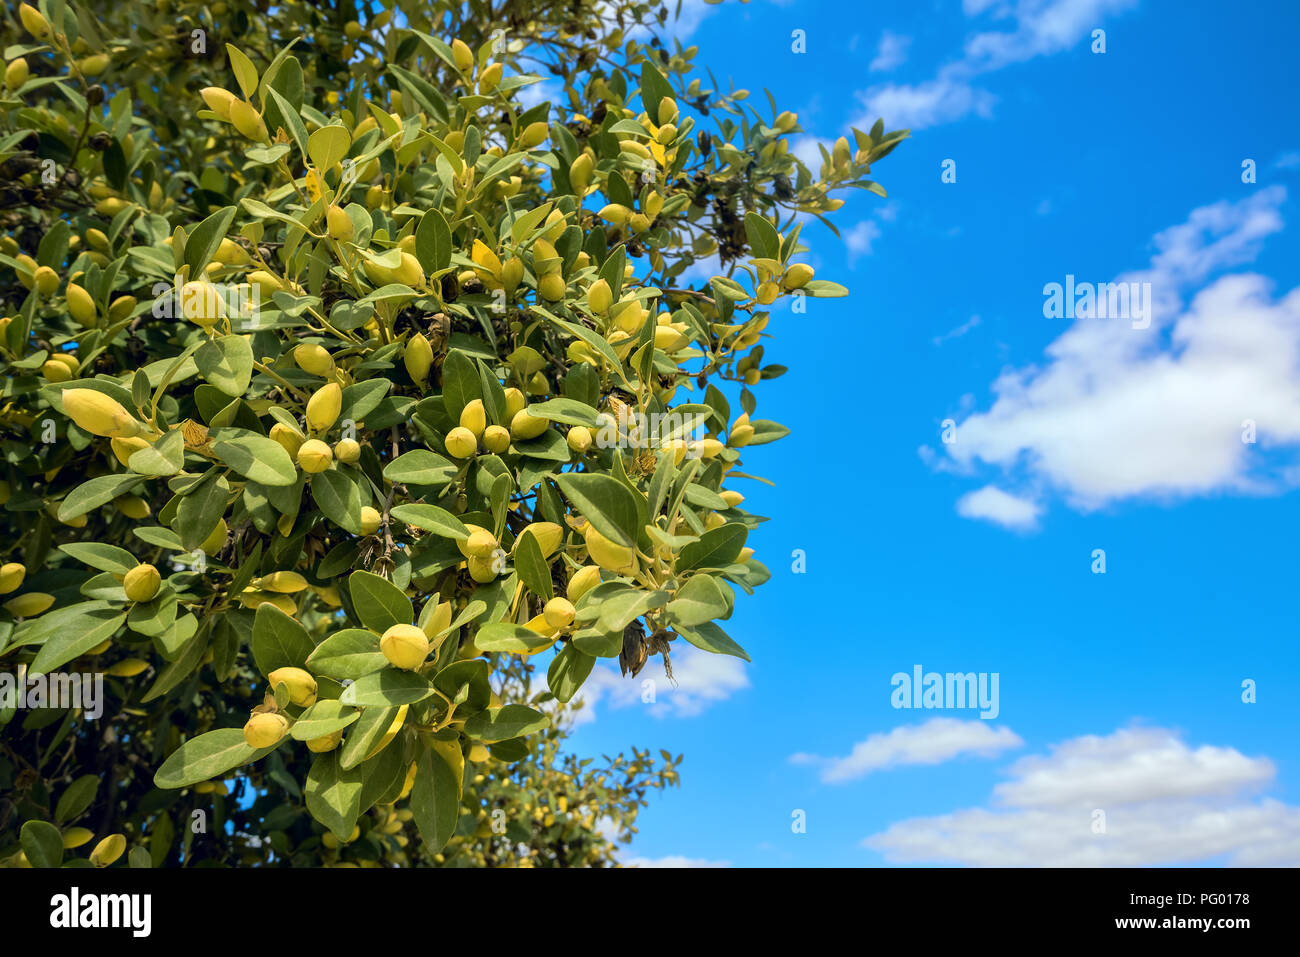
[343, 375]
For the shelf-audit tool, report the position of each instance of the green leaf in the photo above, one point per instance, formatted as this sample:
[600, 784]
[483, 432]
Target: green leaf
[76, 797]
[709, 637]
[568, 411]
[532, 567]
[619, 610]
[278, 640]
[227, 363]
[420, 467]
[76, 636]
[765, 430]
[698, 601]
[42, 843]
[716, 548]
[569, 669]
[339, 499]
[91, 495]
[605, 502]
[107, 558]
[508, 721]
[205, 757]
[369, 729]
[347, 654]
[378, 602]
[433, 242]
[388, 687]
[435, 799]
[255, 457]
[764, 240]
[334, 794]
[327, 147]
[201, 244]
[431, 518]
[507, 636]
[164, 457]
[322, 718]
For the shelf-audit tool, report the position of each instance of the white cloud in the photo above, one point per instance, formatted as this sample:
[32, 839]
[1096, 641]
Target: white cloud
[1164, 803]
[891, 52]
[1002, 508]
[1118, 412]
[702, 679]
[935, 741]
[1038, 28]
[858, 240]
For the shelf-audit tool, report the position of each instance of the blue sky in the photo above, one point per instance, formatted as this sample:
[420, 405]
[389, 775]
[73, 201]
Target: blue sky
[1118, 692]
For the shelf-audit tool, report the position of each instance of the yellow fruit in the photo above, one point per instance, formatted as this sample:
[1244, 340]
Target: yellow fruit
[731, 497]
[108, 850]
[515, 402]
[128, 668]
[418, 358]
[439, 621]
[580, 174]
[551, 287]
[559, 613]
[352, 30]
[247, 120]
[611, 556]
[767, 293]
[370, 520]
[409, 272]
[46, 280]
[284, 525]
[141, 583]
[286, 582]
[405, 646]
[202, 304]
[615, 213]
[264, 730]
[289, 438]
[752, 377]
[532, 135]
[338, 224]
[53, 371]
[798, 276]
[111, 206]
[599, 297]
[216, 539]
[482, 570]
[324, 406]
[480, 544]
[525, 426]
[230, 253]
[584, 580]
[463, 55]
[786, 121]
[579, 439]
[265, 283]
[123, 448]
[314, 359]
[496, 438]
[314, 456]
[669, 339]
[488, 80]
[16, 73]
[474, 418]
[326, 742]
[99, 414]
[548, 536]
[133, 506]
[461, 443]
[347, 451]
[34, 21]
[301, 685]
[12, 575]
[93, 65]
[479, 753]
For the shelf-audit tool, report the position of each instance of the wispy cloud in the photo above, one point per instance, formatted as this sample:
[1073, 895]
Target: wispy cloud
[700, 681]
[935, 741]
[958, 332]
[891, 52]
[1002, 508]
